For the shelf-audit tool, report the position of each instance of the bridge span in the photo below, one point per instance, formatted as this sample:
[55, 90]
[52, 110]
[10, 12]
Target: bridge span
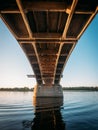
[48, 31]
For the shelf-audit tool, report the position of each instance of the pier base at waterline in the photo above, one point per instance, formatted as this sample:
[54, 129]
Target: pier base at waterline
[48, 91]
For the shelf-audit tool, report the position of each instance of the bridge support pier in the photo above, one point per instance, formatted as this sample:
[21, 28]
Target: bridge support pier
[48, 91]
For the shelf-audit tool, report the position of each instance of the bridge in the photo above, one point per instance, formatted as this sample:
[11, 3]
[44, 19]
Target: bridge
[48, 31]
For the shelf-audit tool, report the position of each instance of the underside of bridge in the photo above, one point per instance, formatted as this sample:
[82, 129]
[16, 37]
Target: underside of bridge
[47, 31]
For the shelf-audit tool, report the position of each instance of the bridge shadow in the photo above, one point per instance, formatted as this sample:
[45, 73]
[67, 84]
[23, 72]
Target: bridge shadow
[48, 114]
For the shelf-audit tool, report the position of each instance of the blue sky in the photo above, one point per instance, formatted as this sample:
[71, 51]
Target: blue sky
[80, 70]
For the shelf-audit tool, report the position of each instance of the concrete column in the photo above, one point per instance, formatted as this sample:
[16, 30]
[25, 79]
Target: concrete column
[48, 91]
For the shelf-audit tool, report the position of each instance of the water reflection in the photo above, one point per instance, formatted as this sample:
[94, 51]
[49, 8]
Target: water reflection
[47, 114]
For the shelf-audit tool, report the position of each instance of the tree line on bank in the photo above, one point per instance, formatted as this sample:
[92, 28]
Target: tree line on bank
[17, 89]
[25, 89]
[81, 88]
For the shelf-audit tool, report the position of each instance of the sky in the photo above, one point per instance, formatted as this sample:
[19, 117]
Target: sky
[80, 70]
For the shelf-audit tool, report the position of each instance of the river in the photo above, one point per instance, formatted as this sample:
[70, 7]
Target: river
[77, 110]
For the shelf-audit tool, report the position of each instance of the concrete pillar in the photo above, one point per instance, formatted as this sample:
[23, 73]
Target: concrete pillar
[48, 91]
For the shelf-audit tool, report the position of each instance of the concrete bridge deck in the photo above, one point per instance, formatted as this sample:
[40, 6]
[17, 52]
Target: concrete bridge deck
[48, 31]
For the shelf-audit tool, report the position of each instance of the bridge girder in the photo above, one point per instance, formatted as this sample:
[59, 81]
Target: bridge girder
[48, 31]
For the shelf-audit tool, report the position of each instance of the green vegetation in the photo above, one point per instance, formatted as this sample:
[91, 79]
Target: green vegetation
[81, 88]
[26, 89]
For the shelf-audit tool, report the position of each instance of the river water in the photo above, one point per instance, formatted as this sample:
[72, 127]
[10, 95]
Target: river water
[76, 111]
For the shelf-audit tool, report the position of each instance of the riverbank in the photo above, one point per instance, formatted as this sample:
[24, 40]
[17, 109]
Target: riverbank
[80, 88]
[26, 89]
[23, 89]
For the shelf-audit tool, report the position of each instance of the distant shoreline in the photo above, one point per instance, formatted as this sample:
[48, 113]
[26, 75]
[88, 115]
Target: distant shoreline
[26, 89]
[80, 89]
[23, 89]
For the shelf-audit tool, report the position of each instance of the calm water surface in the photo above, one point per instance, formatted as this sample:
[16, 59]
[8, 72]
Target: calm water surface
[76, 111]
